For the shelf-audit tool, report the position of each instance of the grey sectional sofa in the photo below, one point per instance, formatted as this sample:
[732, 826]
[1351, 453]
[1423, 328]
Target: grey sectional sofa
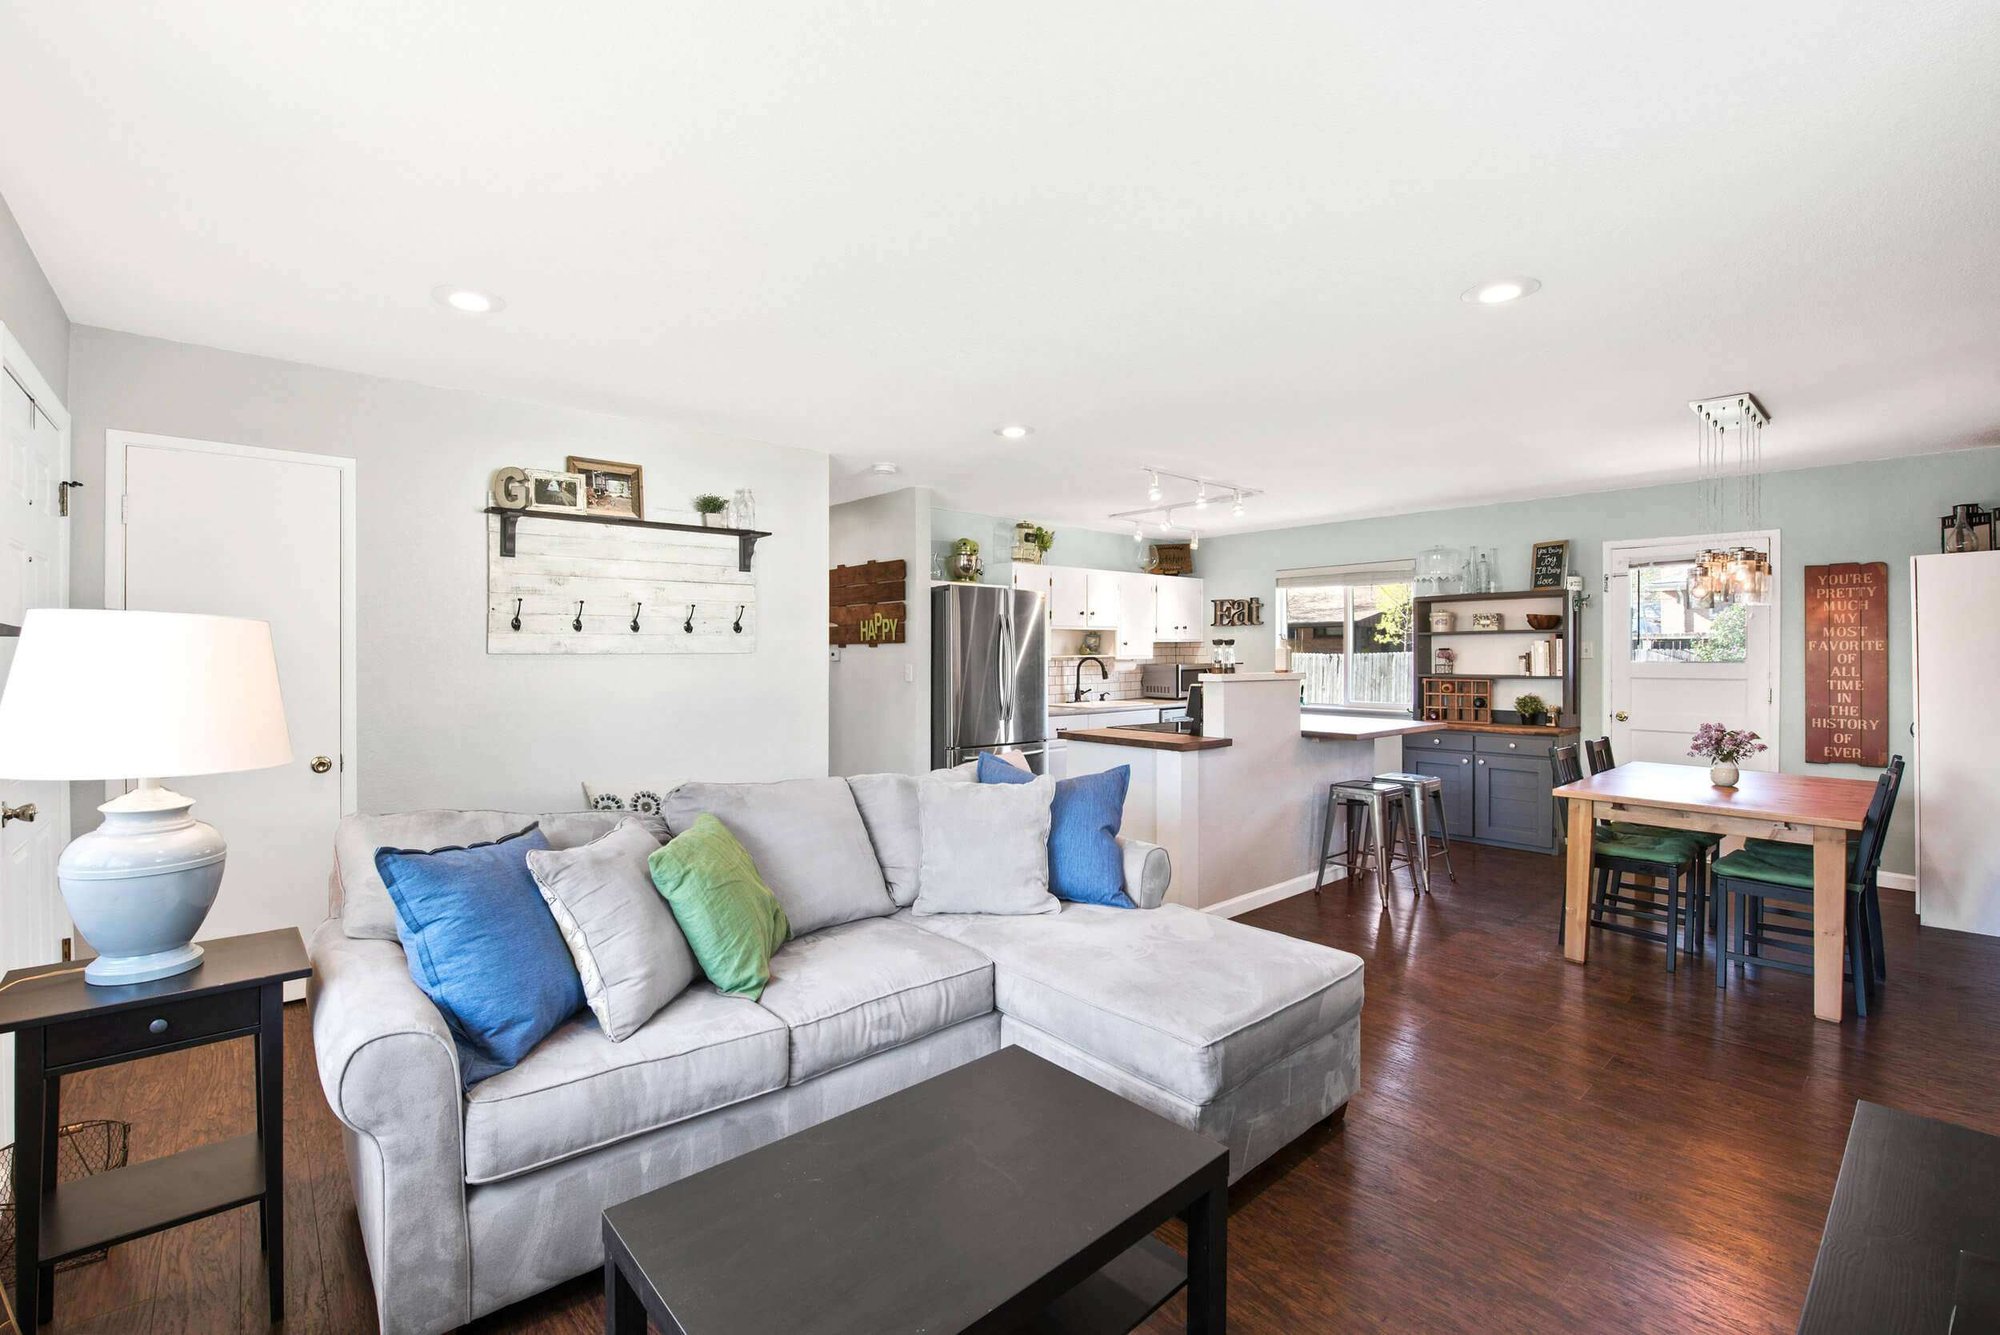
[470, 1200]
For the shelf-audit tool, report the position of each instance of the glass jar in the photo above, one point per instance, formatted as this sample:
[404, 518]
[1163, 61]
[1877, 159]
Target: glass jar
[743, 509]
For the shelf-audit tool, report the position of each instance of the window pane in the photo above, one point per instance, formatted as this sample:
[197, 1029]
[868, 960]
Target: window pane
[1314, 621]
[1669, 627]
[1378, 671]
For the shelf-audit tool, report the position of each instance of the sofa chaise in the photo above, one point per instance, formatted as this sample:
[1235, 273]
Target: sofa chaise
[472, 1199]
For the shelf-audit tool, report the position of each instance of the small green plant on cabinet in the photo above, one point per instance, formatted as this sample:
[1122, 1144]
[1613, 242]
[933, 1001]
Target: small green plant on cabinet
[1530, 707]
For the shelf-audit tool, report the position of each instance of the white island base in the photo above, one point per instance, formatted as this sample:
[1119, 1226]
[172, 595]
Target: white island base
[1240, 809]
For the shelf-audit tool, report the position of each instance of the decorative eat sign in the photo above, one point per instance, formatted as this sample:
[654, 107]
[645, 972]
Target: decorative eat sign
[1847, 664]
[866, 603]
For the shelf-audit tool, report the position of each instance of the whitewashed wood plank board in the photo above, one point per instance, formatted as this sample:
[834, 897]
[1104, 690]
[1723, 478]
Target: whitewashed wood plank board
[610, 570]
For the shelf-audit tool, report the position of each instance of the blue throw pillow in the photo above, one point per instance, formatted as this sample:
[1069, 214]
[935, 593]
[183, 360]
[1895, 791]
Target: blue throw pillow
[483, 946]
[1085, 864]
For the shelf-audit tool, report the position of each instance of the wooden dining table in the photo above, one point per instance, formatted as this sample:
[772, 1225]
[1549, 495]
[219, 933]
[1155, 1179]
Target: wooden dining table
[1791, 808]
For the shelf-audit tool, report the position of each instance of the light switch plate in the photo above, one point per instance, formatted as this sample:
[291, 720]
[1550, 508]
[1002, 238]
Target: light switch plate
[1587, 648]
[833, 653]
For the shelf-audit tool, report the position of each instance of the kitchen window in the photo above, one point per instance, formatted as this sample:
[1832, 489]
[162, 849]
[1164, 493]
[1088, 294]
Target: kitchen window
[1346, 630]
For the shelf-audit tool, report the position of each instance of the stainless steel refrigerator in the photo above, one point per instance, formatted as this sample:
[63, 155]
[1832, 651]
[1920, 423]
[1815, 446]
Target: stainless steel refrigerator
[989, 673]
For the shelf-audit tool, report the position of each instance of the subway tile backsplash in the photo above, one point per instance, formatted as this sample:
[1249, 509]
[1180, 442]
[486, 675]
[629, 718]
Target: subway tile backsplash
[1123, 684]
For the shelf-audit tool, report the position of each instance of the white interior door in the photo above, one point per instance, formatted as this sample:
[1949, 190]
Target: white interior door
[235, 532]
[1672, 665]
[1958, 840]
[34, 458]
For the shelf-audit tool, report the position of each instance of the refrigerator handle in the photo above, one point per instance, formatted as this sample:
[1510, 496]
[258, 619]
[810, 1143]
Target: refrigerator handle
[1006, 668]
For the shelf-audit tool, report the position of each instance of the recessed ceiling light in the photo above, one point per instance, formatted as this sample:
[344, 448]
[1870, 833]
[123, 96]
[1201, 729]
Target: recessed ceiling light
[1012, 432]
[1501, 290]
[885, 469]
[467, 300]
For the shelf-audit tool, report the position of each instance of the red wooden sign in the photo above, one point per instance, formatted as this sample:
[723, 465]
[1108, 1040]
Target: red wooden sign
[1847, 664]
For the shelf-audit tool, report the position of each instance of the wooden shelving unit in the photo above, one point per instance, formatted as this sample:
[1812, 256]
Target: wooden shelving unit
[1456, 700]
[1514, 605]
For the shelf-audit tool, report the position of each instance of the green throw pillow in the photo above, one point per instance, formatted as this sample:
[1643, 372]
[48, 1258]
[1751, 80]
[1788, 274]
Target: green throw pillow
[732, 921]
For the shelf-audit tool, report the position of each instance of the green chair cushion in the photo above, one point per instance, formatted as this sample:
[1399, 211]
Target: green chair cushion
[1699, 838]
[1668, 851]
[1748, 865]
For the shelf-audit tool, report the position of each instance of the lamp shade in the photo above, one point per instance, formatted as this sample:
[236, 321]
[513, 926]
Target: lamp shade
[131, 695]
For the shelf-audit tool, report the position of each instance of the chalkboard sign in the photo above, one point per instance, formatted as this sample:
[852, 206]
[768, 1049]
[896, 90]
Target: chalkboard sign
[1550, 564]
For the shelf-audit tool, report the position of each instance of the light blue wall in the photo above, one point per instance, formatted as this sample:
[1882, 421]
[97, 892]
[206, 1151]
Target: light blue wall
[1885, 511]
[995, 536]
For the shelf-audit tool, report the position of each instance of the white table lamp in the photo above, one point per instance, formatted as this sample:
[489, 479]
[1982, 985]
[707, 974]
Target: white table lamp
[141, 695]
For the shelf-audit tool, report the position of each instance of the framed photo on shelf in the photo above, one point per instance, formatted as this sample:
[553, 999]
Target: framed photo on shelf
[560, 493]
[611, 490]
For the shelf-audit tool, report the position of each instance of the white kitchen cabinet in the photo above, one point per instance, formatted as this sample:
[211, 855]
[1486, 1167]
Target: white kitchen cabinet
[1082, 599]
[1179, 614]
[1069, 598]
[1035, 579]
[1135, 615]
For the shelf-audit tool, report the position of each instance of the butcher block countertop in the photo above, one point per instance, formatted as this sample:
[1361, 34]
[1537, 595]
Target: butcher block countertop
[1152, 741]
[1366, 728]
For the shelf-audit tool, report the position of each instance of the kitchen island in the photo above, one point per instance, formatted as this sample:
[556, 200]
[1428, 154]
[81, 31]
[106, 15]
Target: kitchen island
[1239, 807]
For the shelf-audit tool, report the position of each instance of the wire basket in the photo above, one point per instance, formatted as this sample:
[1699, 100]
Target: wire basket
[82, 1148]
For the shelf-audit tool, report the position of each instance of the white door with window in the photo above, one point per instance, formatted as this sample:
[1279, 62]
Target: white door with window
[1673, 663]
[34, 572]
[232, 531]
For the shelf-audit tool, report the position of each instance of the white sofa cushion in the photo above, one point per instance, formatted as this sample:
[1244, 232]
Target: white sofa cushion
[808, 842]
[1191, 1002]
[579, 1090]
[986, 847]
[362, 902]
[854, 990]
[627, 948]
[888, 804]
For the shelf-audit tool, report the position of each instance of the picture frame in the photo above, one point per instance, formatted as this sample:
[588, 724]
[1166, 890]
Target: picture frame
[1548, 562]
[1489, 621]
[611, 490]
[551, 492]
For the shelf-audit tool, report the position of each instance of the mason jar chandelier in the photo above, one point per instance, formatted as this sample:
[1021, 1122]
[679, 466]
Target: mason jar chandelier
[1723, 576]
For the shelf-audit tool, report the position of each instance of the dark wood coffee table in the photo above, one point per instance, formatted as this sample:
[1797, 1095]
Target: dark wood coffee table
[1006, 1194]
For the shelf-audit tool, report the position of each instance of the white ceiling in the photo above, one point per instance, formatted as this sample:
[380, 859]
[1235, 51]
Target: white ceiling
[1225, 238]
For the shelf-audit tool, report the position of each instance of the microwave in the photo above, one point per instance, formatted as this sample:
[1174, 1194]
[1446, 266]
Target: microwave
[1169, 681]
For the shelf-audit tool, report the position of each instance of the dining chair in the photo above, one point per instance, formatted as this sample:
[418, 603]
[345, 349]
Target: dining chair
[1871, 893]
[1599, 754]
[1618, 859]
[1759, 881]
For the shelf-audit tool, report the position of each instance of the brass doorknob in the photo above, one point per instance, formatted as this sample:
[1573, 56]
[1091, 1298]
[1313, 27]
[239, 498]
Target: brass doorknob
[26, 811]
[1621, 716]
[321, 764]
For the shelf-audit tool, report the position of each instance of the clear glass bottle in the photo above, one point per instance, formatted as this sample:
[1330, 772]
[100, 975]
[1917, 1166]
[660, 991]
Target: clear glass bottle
[743, 510]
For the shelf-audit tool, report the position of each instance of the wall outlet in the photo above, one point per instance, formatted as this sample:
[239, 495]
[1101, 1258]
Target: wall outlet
[1586, 648]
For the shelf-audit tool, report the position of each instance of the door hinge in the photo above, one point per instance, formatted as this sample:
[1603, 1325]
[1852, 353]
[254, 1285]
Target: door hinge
[1607, 583]
[124, 509]
[62, 498]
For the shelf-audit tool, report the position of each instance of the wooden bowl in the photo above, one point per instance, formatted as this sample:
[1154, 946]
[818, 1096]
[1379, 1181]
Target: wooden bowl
[1544, 620]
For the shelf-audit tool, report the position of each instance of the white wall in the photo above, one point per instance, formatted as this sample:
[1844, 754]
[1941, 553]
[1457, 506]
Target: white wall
[880, 718]
[443, 724]
[29, 306]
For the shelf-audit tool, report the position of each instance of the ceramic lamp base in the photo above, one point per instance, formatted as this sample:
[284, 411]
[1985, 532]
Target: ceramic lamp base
[138, 886]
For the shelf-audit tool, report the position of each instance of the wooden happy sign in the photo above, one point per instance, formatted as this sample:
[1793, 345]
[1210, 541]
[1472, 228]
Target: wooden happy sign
[1847, 664]
[866, 603]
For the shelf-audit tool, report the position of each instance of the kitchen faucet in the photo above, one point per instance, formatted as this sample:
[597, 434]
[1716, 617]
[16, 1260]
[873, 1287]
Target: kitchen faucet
[1103, 674]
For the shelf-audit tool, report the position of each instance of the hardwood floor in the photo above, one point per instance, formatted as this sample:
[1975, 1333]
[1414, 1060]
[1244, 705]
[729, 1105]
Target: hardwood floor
[1535, 1147]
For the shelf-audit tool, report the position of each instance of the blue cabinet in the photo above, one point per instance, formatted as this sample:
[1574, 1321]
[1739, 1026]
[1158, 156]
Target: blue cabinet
[1496, 786]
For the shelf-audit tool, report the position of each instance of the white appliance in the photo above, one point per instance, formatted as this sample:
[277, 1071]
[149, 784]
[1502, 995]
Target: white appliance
[1957, 642]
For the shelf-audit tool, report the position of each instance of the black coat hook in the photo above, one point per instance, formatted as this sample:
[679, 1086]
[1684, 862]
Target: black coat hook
[635, 617]
[577, 625]
[688, 625]
[517, 614]
[738, 627]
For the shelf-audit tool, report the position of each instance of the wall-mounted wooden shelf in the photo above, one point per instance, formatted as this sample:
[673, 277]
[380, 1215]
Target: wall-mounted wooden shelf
[1425, 640]
[746, 538]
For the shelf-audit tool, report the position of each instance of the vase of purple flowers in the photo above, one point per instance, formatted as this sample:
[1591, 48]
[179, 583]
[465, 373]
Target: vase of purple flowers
[1723, 748]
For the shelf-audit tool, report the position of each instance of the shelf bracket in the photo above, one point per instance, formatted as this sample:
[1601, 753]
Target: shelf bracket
[746, 547]
[507, 523]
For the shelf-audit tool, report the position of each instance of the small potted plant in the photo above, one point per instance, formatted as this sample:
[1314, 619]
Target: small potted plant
[711, 507]
[1534, 710]
[1723, 748]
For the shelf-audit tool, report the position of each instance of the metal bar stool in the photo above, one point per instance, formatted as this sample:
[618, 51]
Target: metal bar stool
[1378, 806]
[1427, 800]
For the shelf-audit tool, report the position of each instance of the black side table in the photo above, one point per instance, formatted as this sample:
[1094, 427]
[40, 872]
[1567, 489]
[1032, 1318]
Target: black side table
[62, 1025]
